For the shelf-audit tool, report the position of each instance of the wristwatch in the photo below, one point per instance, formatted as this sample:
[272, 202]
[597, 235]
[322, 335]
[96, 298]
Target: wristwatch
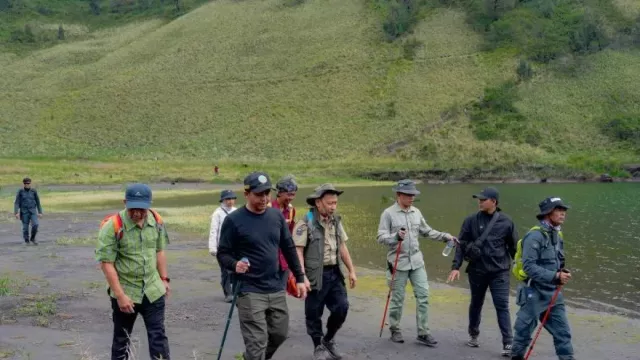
[165, 279]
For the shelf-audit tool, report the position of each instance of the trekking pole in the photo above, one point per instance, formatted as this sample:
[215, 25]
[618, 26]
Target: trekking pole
[236, 286]
[544, 320]
[393, 277]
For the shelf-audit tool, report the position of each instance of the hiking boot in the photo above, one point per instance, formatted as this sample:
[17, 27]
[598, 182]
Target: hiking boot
[427, 340]
[473, 342]
[517, 357]
[228, 299]
[34, 242]
[330, 346]
[320, 353]
[506, 350]
[396, 337]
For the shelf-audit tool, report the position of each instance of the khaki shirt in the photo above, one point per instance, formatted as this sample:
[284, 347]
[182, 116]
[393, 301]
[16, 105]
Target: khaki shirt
[392, 219]
[300, 238]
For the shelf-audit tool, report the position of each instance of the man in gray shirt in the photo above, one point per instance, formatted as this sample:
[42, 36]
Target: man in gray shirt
[402, 214]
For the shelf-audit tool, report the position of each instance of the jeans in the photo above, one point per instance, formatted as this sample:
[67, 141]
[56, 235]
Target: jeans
[153, 316]
[498, 284]
[26, 217]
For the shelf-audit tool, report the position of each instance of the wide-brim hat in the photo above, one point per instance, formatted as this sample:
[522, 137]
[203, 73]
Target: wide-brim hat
[549, 204]
[227, 194]
[406, 186]
[320, 191]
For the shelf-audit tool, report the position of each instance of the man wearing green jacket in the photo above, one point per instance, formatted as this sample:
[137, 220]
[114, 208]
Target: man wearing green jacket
[411, 267]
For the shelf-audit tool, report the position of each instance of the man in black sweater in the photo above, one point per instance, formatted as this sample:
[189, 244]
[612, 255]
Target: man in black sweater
[256, 232]
[490, 257]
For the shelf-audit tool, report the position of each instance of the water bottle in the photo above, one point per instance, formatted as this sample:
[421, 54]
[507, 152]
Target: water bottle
[447, 249]
[245, 260]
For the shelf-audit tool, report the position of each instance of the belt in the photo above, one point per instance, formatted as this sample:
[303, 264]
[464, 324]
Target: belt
[329, 267]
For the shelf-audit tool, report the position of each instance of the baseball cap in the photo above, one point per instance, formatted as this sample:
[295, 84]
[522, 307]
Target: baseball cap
[257, 182]
[488, 193]
[138, 196]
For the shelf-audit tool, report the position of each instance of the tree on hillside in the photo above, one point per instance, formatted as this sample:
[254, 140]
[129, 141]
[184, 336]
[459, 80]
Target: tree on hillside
[178, 5]
[496, 8]
[5, 5]
[60, 33]
[94, 5]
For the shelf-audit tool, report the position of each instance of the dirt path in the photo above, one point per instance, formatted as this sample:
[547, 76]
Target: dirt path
[58, 309]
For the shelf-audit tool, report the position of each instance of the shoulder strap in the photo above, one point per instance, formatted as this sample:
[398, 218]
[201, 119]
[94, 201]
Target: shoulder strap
[117, 226]
[484, 235]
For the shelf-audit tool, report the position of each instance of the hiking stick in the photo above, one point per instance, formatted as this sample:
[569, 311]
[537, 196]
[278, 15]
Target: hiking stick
[544, 320]
[393, 277]
[236, 286]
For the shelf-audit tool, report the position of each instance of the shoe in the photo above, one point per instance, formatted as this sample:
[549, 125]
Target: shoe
[34, 242]
[396, 337]
[473, 342]
[320, 353]
[228, 299]
[427, 340]
[330, 346]
[506, 350]
[517, 357]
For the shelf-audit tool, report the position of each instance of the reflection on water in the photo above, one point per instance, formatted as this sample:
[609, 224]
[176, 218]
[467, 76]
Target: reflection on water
[601, 232]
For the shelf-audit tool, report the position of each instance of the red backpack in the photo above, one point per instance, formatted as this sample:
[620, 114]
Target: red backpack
[117, 222]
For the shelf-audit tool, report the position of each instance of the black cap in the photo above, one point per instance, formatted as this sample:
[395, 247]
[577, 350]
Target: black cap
[227, 194]
[549, 204]
[257, 182]
[26, 180]
[488, 193]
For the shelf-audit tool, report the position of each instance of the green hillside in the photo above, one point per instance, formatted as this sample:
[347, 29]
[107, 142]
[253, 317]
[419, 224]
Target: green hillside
[473, 83]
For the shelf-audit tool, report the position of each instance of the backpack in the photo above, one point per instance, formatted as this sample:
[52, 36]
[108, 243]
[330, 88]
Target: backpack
[118, 227]
[518, 266]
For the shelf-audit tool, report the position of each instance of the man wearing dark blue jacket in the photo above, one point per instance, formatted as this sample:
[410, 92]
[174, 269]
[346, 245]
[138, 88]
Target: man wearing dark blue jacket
[257, 232]
[28, 209]
[543, 261]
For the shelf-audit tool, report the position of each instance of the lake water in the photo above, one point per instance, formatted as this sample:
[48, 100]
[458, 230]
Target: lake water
[602, 230]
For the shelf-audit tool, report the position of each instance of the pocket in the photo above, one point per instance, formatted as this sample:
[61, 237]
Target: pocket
[497, 248]
[521, 296]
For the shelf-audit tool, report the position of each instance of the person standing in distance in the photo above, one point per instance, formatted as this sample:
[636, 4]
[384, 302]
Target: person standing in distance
[286, 192]
[27, 208]
[488, 242]
[227, 206]
[257, 232]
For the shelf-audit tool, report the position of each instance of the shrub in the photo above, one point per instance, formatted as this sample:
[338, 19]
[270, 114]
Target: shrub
[623, 128]
[524, 70]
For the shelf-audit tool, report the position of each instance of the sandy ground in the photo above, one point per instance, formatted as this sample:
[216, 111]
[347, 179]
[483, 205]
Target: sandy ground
[58, 309]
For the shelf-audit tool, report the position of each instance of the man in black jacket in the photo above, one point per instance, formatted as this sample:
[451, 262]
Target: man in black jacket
[256, 232]
[27, 208]
[490, 257]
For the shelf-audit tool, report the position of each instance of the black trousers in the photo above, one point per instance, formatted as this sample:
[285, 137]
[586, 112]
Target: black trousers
[333, 295]
[153, 316]
[225, 280]
[498, 284]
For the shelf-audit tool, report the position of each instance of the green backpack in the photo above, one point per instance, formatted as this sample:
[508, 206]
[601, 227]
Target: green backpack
[518, 267]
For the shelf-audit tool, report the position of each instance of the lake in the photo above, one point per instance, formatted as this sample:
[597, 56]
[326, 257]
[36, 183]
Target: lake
[601, 231]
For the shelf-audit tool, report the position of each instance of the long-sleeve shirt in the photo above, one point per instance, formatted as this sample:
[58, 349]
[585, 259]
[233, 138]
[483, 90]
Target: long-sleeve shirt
[216, 224]
[258, 237]
[498, 249]
[27, 201]
[392, 219]
[289, 214]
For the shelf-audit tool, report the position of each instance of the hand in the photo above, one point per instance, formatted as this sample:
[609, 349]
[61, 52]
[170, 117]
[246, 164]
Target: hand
[564, 277]
[241, 267]
[39, 215]
[455, 239]
[401, 234]
[18, 215]
[307, 284]
[125, 304]
[302, 290]
[352, 279]
[167, 287]
[453, 275]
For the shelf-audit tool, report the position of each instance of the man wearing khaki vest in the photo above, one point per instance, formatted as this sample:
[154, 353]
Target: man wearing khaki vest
[321, 243]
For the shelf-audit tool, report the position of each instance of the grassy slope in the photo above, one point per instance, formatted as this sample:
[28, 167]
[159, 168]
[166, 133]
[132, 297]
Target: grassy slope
[259, 83]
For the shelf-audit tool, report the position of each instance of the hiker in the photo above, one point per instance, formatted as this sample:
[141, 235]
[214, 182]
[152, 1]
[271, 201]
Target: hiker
[131, 248]
[286, 192]
[227, 205]
[27, 208]
[402, 214]
[543, 262]
[256, 232]
[322, 248]
[488, 243]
